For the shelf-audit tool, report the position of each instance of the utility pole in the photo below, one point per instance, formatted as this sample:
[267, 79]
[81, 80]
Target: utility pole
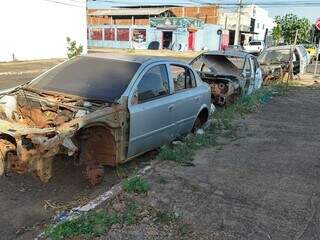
[237, 34]
[317, 60]
[292, 49]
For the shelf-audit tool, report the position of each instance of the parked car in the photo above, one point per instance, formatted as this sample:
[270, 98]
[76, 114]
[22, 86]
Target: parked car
[101, 110]
[254, 47]
[312, 50]
[230, 74]
[234, 47]
[275, 61]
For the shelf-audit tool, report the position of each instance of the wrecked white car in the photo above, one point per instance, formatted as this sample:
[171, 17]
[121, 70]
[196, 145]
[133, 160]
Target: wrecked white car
[230, 74]
[101, 111]
[275, 62]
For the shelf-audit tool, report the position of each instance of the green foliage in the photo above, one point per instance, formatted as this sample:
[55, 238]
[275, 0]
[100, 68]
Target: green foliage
[136, 184]
[73, 49]
[287, 26]
[164, 217]
[89, 226]
[129, 215]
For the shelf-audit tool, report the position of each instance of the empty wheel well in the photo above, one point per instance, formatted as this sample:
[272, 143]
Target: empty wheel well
[96, 145]
[203, 115]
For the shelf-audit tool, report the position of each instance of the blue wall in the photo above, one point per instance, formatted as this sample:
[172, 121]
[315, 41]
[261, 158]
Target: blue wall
[206, 37]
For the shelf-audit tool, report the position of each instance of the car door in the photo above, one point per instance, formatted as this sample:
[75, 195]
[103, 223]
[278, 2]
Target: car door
[187, 98]
[297, 62]
[257, 74]
[248, 74]
[150, 106]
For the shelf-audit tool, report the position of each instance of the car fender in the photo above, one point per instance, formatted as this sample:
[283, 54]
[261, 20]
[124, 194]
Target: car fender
[203, 106]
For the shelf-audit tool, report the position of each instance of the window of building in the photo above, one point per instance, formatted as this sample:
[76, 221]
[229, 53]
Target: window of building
[109, 34]
[263, 26]
[123, 34]
[183, 78]
[96, 34]
[139, 35]
[258, 25]
[154, 84]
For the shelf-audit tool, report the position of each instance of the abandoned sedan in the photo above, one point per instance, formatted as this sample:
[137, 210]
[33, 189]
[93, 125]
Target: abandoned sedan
[230, 74]
[100, 110]
[275, 62]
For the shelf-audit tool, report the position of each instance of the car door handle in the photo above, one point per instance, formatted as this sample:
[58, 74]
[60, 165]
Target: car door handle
[197, 98]
[170, 108]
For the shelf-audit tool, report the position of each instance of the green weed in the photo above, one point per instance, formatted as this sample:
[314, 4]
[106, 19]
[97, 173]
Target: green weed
[136, 184]
[164, 217]
[129, 215]
[89, 226]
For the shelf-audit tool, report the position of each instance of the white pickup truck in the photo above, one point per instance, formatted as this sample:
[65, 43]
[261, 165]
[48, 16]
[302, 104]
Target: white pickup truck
[254, 47]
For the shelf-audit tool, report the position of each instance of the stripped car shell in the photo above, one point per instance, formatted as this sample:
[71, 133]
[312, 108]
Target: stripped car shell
[87, 108]
[275, 62]
[230, 74]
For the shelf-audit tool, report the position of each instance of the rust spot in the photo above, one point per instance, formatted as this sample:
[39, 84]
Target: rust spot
[97, 144]
[15, 164]
[95, 174]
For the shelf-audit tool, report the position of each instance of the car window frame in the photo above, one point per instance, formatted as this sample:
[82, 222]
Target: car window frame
[139, 78]
[185, 67]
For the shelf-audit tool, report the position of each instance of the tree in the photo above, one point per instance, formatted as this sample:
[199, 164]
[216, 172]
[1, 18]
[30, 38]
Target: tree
[287, 26]
[73, 49]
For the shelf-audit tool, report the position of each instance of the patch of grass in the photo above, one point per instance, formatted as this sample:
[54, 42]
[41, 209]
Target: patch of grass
[184, 229]
[164, 217]
[129, 215]
[122, 171]
[89, 226]
[136, 184]
[222, 125]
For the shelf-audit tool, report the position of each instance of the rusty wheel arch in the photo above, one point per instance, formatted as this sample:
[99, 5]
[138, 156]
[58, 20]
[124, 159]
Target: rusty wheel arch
[8, 138]
[97, 147]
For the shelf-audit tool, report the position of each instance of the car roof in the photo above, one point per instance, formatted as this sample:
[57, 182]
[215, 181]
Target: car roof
[230, 53]
[135, 59]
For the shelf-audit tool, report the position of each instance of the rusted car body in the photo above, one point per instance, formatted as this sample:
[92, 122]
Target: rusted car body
[230, 74]
[275, 62]
[100, 110]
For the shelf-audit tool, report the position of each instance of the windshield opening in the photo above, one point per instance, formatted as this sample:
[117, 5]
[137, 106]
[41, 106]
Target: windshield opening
[89, 77]
[274, 56]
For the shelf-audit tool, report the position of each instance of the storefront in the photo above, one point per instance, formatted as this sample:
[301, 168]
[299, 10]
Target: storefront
[174, 33]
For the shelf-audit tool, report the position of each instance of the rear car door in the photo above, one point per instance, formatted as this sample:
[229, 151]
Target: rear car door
[187, 98]
[150, 107]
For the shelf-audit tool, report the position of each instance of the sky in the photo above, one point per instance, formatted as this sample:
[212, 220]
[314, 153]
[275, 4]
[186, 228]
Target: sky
[312, 12]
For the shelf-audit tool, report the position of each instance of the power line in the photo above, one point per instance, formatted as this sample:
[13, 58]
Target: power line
[65, 3]
[269, 4]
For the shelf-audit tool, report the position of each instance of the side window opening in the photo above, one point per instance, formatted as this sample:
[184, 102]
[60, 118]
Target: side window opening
[154, 84]
[183, 78]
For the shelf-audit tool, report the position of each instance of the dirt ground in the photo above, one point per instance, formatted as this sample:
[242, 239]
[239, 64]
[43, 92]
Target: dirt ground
[261, 185]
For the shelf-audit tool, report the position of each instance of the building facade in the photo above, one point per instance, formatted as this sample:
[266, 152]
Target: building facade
[255, 23]
[175, 28]
[36, 29]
